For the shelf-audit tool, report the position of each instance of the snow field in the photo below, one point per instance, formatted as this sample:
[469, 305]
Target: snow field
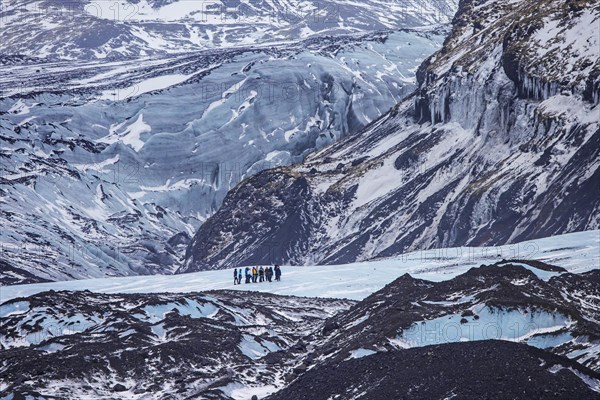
[576, 252]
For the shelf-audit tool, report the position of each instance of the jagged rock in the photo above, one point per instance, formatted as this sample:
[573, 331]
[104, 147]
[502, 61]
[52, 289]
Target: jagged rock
[329, 326]
[119, 388]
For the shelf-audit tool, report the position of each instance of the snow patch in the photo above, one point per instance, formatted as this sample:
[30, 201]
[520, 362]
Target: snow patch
[8, 309]
[191, 308]
[359, 353]
[492, 323]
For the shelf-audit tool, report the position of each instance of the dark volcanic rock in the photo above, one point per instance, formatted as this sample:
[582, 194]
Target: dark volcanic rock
[119, 388]
[470, 371]
[81, 344]
[10, 275]
[499, 292]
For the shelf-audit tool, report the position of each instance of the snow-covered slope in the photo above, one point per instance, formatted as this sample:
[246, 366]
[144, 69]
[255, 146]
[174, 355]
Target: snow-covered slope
[575, 253]
[107, 29]
[108, 168]
[500, 144]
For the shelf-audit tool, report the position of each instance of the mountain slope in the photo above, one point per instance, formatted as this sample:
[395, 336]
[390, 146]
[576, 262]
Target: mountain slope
[499, 144]
[124, 29]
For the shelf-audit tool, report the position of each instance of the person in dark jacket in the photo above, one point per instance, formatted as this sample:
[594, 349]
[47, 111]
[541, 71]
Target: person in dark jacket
[261, 274]
[240, 277]
[235, 275]
[248, 275]
[277, 273]
[268, 273]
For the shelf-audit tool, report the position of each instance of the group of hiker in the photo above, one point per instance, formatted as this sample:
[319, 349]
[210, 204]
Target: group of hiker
[257, 274]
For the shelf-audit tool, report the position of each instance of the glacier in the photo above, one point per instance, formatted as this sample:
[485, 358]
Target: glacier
[109, 168]
[575, 252]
